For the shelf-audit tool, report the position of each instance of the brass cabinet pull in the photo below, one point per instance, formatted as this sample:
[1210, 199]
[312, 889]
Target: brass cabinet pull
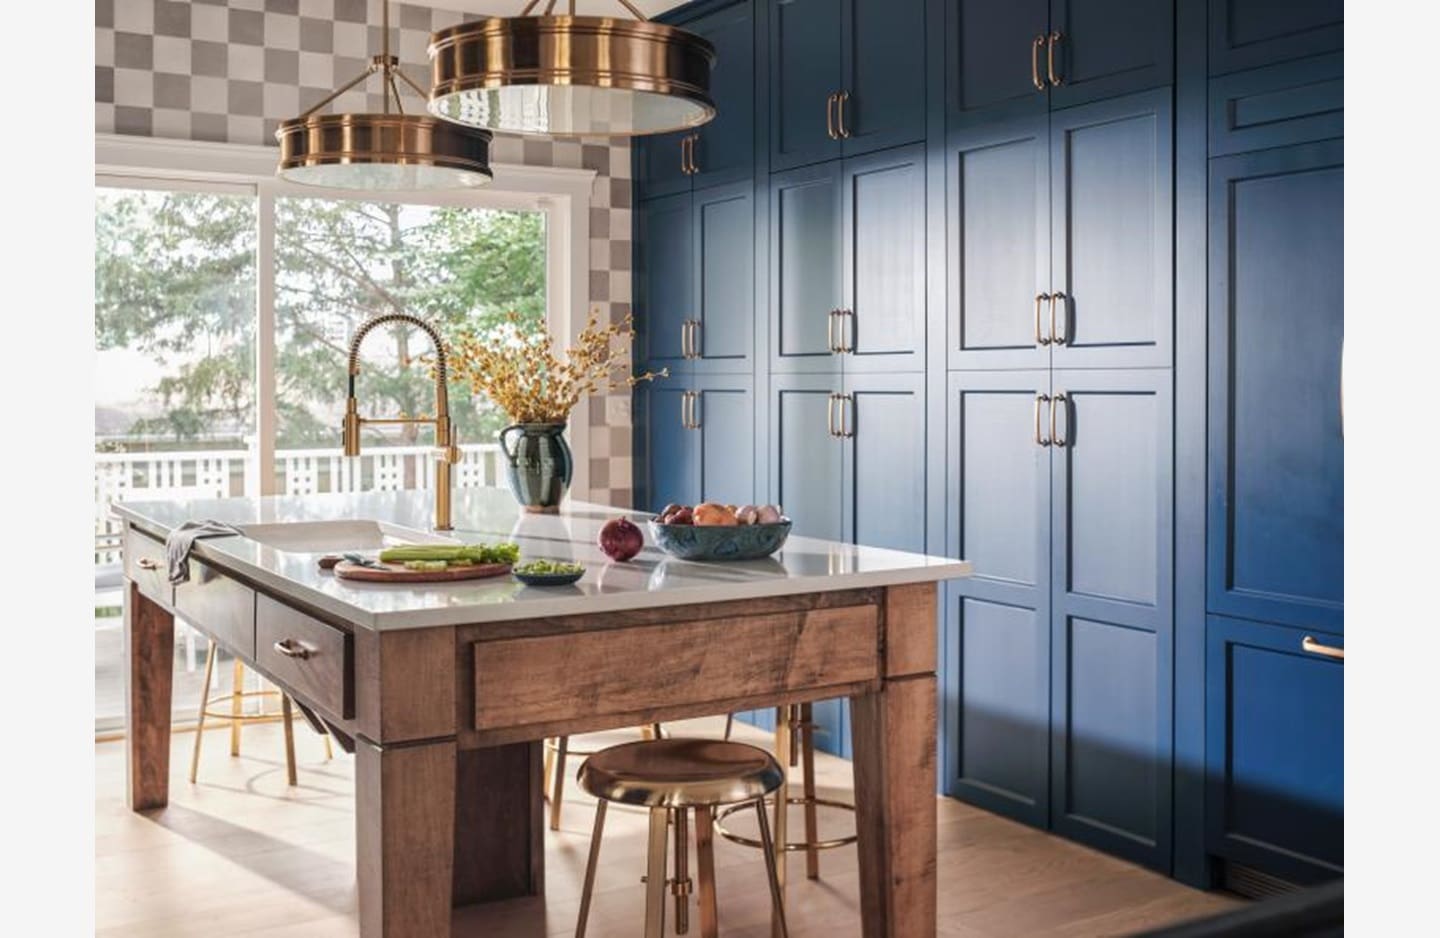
[685, 339]
[146, 563]
[1035, 62]
[685, 410]
[1055, 79]
[684, 156]
[1309, 644]
[695, 338]
[291, 649]
[830, 115]
[694, 166]
[830, 414]
[695, 409]
[847, 401]
[843, 345]
[1058, 402]
[1040, 338]
[1059, 336]
[832, 343]
[840, 114]
[1040, 399]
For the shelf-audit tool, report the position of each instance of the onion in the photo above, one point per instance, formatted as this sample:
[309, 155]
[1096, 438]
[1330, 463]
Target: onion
[620, 540]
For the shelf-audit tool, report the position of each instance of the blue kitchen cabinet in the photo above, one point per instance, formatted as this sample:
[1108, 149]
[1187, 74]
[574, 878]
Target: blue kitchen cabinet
[723, 277]
[1251, 33]
[723, 424]
[671, 455]
[1105, 48]
[805, 453]
[664, 281]
[1275, 749]
[1112, 615]
[805, 267]
[996, 58]
[844, 81]
[661, 164]
[1276, 530]
[1289, 103]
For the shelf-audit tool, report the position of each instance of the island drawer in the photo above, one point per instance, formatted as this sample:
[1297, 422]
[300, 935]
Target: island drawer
[221, 607]
[145, 566]
[554, 678]
[313, 659]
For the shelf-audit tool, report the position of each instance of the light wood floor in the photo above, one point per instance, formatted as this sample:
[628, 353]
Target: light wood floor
[242, 854]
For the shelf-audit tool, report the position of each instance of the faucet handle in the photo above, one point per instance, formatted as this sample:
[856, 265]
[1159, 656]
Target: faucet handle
[450, 453]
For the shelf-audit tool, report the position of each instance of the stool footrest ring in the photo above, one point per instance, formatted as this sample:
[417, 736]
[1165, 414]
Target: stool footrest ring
[792, 846]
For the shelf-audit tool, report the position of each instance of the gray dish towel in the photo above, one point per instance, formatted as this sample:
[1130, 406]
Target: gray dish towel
[178, 544]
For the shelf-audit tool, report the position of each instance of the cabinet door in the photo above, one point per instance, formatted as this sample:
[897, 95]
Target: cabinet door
[1276, 538]
[805, 237]
[805, 454]
[1251, 33]
[725, 148]
[673, 455]
[884, 461]
[884, 261]
[666, 298]
[1275, 750]
[724, 268]
[804, 73]
[1112, 254]
[995, 656]
[1110, 47]
[884, 67]
[1112, 621]
[725, 411]
[660, 165]
[998, 219]
[991, 63]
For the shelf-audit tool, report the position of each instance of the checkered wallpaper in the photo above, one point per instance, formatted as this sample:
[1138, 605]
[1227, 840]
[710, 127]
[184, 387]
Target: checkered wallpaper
[231, 70]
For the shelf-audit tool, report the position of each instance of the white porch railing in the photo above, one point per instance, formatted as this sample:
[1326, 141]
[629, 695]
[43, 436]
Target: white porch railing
[230, 473]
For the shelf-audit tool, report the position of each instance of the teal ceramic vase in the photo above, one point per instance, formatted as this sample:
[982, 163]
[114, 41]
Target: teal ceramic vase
[538, 464]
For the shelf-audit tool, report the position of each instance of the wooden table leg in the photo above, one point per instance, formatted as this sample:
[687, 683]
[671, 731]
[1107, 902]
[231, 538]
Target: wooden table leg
[894, 741]
[149, 670]
[499, 823]
[404, 838]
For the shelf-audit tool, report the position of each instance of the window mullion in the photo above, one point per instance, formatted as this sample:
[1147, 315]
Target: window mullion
[262, 476]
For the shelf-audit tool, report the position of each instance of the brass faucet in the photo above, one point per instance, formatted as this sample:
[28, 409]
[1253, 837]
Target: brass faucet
[446, 452]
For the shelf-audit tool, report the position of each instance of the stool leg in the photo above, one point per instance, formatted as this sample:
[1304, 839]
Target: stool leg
[329, 753]
[590, 866]
[782, 794]
[288, 718]
[548, 767]
[655, 873]
[807, 763]
[200, 720]
[237, 705]
[769, 848]
[680, 888]
[729, 724]
[557, 781]
[705, 854]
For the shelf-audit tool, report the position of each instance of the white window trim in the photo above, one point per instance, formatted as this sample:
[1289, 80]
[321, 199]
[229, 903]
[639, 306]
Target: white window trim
[562, 193]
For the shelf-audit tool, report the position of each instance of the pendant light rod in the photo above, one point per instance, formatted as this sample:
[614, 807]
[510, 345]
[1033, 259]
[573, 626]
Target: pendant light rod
[550, 6]
[389, 68]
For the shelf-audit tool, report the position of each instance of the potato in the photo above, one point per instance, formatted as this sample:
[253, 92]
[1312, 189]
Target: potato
[768, 514]
[710, 513]
[681, 515]
[669, 509]
[747, 514]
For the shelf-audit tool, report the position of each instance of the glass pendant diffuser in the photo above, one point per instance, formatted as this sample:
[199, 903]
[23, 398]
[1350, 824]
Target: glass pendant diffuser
[571, 75]
[390, 151]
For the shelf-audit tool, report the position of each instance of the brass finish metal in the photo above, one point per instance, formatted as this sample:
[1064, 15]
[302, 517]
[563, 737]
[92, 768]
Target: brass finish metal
[830, 414]
[1059, 403]
[680, 884]
[1039, 400]
[1055, 79]
[696, 415]
[1309, 644]
[847, 406]
[830, 330]
[846, 341]
[474, 65]
[830, 115]
[775, 856]
[775, 866]
[1059, 335]
[237, 705]
[840, 127]
[557, 781]
[655, 873]
[1041, 338]
[292, 648]
[200, 718]
[705, 859]
[148, 563]
[676, 773]
[592, 864]
[1035, 78]
[446, 452]
[236, 717]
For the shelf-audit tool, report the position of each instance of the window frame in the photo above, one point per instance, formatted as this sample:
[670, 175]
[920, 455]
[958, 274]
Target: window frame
[562, 194]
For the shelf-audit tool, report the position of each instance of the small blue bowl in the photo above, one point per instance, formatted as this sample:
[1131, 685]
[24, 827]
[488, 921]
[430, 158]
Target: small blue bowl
[720, 542]
[547, 579]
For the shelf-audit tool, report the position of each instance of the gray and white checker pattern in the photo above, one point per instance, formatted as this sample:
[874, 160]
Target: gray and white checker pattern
[231, 70]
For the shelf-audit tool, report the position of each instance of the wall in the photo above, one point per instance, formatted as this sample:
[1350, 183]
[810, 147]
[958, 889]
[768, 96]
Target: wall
[231, 70]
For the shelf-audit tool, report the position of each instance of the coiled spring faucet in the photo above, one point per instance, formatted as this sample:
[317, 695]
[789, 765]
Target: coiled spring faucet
[446, 452]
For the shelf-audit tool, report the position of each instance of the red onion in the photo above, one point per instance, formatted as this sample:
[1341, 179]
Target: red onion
[620, 540]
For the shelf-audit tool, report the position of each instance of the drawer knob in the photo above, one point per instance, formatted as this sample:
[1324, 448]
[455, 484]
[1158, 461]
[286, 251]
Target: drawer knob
[292, 649]
[147, 563]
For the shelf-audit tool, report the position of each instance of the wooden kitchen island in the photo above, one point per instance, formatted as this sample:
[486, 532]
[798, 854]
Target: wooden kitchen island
[445, 692]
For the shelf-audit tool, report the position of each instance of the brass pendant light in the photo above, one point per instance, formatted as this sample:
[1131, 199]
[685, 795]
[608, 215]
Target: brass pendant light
[571, 75]
[386, 151]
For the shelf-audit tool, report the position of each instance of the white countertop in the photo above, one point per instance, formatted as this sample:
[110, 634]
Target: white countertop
[651, 579]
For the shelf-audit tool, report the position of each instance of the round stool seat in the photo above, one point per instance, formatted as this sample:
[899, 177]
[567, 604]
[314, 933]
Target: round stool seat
[679, 773]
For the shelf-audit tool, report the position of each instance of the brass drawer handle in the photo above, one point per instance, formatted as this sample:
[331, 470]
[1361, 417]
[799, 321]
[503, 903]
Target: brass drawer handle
[830, 414]
[684, 156]
[847, 402]
[291, 649]
[1058, 402]
[1035, 78]
[147, 563]
[1040, 338]
[845, 345]
[1055, 38]
[830, 115]
[695, 411]
[1040, 399]
[694, 338]
[830, 342]
[1059, 336]
[840, 115]
[1309, 644]
[690, 154]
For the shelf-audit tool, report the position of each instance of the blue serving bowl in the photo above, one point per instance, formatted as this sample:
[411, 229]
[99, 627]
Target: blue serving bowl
[720, 542]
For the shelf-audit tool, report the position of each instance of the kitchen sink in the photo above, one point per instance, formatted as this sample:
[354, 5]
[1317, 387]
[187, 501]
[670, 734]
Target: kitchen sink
[321, 537]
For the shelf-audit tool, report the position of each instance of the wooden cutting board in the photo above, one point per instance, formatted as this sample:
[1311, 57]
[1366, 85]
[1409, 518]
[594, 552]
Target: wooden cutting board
[397, 573]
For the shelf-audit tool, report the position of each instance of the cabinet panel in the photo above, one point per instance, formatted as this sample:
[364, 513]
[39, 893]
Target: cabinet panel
[673, 449]
[660, 165]
[884, 261]
[1275, 750]
[998, 220]
[805, 70]
[805, 240]
[990, 57]
[806, 457]
[1277, 510]
[884, 67]
[724, 268]
[1113, 231]
[1111, 47]
[725, 147]
[1296, 102]
[665, 297]
[884, 461]
[1251, 33]
[725, 411]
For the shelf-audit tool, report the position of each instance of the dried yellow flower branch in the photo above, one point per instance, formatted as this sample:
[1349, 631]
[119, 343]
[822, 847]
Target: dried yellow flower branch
[515, 365]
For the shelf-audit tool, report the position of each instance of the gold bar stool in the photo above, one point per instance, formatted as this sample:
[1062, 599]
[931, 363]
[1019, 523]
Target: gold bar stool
[671, 777]
[557, 751]
[795, 736]
[237, 716]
